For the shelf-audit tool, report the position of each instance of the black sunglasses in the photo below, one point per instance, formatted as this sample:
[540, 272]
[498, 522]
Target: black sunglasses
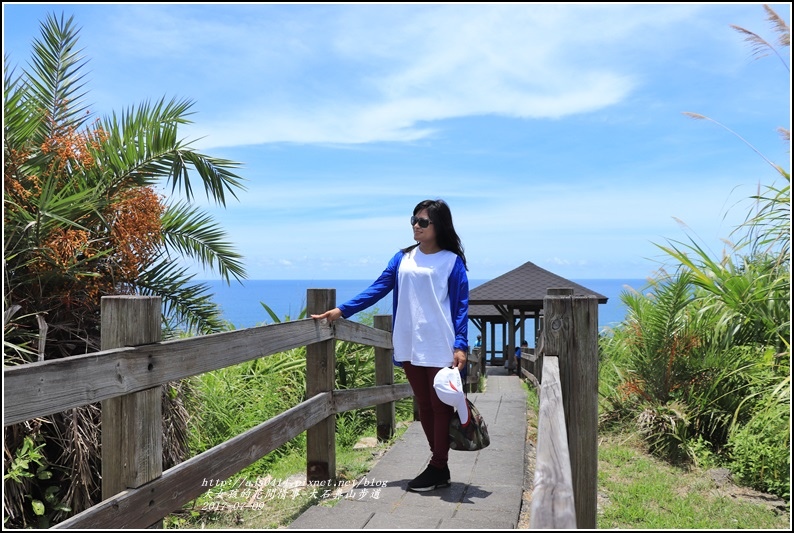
[423, 222]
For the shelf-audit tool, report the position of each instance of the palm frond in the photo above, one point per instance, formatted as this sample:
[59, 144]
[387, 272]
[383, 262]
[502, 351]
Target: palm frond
[193, 234]
[142, 147]
[139, 142]
[19, 127]
[214, 173]
[186, 305]
[55, 80]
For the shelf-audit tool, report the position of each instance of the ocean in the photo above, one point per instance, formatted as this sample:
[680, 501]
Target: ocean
[242, 303]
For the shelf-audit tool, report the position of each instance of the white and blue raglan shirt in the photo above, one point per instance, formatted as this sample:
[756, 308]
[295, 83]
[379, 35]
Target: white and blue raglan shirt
[430, 303]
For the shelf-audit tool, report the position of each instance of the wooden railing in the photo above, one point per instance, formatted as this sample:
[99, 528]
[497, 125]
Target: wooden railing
[566, 367]
[127, 377]
[129, 372]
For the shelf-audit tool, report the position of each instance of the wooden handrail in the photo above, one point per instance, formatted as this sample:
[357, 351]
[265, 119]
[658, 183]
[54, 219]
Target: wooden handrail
[44, 388]
[566, 466]
[566, 368]
[552, 495]
[40, 389]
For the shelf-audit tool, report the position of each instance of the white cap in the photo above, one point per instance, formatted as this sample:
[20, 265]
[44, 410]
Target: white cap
[449, 388]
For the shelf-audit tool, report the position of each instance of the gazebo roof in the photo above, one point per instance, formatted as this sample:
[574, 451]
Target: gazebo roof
[523, 289]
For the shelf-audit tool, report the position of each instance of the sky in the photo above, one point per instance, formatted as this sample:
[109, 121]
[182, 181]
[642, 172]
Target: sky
[556, 133]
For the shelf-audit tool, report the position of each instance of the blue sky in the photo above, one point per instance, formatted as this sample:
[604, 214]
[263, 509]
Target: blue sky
[555, 132]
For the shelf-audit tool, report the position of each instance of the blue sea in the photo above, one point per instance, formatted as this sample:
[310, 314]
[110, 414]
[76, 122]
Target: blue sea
[242, 304]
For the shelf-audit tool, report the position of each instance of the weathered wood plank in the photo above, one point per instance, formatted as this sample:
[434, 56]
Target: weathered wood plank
[138, 508]
[40, 389]
[385, 414]
[349, 399]
[526, 374]
[552, 496]
[346, 330]
[320, 378]
[583, 410]
[132, 425]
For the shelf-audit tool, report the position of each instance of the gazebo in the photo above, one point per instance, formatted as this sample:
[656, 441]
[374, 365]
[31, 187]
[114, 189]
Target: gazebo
[509, 300]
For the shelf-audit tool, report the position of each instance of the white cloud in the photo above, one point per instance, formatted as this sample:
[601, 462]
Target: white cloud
[393, 69]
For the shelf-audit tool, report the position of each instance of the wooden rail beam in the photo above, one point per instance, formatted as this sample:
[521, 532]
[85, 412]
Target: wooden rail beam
[40, 389]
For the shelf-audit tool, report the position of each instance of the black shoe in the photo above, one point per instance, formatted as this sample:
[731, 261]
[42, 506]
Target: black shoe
[432, 478]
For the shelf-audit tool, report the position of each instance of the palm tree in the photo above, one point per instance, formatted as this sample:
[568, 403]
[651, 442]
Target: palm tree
[82, 219]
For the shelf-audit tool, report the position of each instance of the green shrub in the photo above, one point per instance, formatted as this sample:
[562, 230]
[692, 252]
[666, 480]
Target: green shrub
[760, 449]
[229, 401]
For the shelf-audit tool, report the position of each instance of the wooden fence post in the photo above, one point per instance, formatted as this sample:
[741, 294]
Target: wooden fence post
[384, 375]
[473, 371]
[571, 332]
[132, 425]
[320, 377]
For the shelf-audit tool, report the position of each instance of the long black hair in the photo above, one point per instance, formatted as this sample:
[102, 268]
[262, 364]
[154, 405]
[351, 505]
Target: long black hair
[441, 216]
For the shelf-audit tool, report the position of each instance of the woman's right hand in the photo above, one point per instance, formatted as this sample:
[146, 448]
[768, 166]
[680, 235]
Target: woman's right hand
[330, 315]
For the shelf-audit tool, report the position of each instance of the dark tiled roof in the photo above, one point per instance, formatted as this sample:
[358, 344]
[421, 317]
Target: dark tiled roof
[522, 288]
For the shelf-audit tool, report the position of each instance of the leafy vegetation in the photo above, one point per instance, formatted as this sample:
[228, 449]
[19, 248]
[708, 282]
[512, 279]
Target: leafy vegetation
[642, 491]
[701, 364]
[82, 219]
[229, 401]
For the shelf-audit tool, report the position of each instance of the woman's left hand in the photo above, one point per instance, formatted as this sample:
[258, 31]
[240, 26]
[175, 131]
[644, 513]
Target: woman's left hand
[459, 359]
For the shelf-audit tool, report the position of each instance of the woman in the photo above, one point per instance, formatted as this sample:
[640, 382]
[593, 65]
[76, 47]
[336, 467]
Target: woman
[430, 302]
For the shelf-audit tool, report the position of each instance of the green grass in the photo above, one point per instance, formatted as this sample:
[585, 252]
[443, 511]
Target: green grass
[638, 491]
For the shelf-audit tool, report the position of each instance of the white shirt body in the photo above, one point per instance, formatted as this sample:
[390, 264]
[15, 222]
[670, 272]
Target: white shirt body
[424, 334]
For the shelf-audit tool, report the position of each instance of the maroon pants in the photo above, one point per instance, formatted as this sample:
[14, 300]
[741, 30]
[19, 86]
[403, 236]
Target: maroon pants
[433, 413]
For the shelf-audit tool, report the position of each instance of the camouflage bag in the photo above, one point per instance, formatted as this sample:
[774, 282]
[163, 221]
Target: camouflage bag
[473, 435]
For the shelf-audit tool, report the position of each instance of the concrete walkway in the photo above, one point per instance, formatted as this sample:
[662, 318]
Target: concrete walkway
[487, 485]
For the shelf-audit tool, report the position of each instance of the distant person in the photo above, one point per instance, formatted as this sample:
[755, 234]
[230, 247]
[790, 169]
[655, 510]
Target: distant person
[524, 347]
[478, 344]
[430, 300]
[517, 359]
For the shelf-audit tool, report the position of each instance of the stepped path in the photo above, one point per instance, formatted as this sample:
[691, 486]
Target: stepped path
[487, 485]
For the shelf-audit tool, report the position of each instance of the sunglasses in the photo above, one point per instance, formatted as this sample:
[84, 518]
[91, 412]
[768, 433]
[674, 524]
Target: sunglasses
[423, 222]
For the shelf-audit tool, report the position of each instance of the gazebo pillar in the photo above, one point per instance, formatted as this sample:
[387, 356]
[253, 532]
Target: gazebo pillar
[510, 340]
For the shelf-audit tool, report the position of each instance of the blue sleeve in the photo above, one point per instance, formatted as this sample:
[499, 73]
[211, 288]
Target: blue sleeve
[372, 294]
[459, 304]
